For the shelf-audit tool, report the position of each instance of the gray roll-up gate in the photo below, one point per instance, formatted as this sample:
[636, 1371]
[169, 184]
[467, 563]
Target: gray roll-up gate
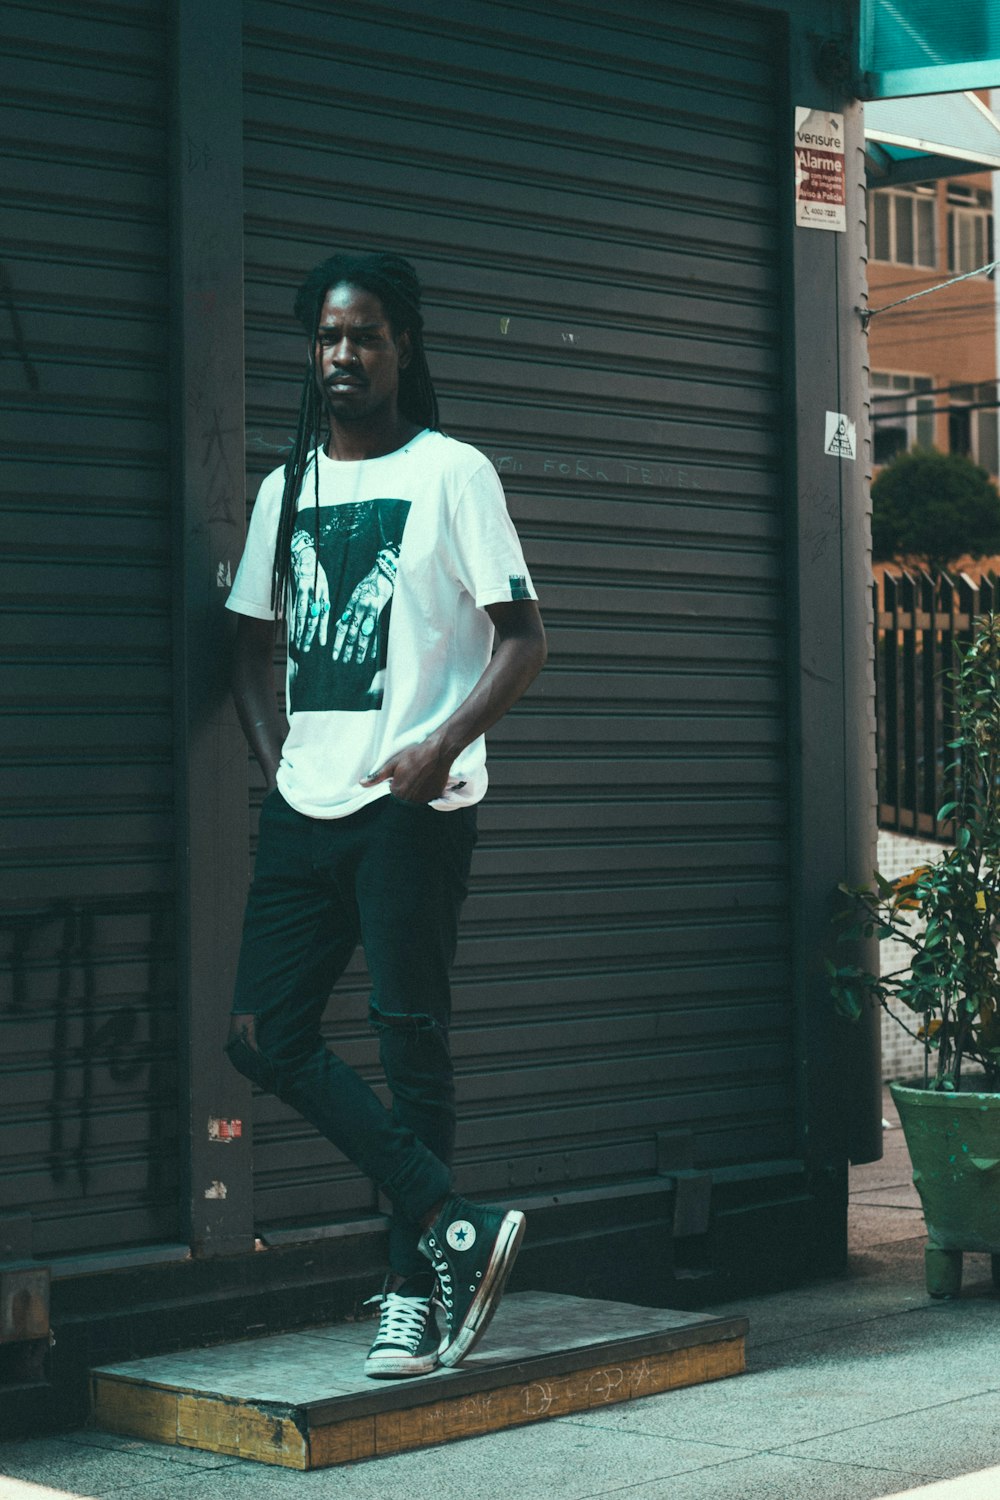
[590, 199]
[88, 1033]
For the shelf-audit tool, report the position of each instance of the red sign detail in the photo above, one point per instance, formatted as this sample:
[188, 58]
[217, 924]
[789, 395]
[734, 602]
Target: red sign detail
[819, 177]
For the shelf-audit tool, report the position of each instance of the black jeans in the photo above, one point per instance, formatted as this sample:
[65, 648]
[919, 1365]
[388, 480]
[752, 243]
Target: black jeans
[392, 876]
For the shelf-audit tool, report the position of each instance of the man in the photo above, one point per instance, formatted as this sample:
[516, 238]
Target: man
[387, 548]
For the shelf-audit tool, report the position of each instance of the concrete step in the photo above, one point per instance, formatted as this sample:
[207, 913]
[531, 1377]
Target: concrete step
[301, 1399]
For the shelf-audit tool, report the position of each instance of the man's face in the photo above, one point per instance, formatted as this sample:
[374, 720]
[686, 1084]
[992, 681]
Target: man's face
[357, 358]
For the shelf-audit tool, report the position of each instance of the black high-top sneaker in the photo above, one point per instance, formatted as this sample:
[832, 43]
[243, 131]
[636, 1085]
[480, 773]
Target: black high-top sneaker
[472, 1248]
[407, 1339]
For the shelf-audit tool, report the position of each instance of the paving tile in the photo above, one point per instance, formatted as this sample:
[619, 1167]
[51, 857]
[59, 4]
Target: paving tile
[888, 1195]
[40, 1450]
[762, 1410]
[556, 1460]
[901, 1264]
[138, 1449]
[250, 1481]
[887, 1263]
[831, 1383]
[67, 1464]
[966, 1331]
[879, 1226]
[889, 1281]
[895, 1168]
[897, 1267]
[770, 1477]
[954, 1430]
[826, 1308]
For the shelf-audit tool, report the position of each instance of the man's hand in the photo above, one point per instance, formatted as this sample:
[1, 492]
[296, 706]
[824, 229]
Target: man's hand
[417, 775]
[420, 774]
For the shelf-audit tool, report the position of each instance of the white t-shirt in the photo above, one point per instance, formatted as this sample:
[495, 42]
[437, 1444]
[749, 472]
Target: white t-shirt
[412, 547]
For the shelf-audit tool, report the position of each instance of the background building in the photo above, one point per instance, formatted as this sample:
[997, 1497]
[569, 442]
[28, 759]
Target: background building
[934, 361]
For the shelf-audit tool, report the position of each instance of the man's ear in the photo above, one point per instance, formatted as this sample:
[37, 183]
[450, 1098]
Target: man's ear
[405, 346]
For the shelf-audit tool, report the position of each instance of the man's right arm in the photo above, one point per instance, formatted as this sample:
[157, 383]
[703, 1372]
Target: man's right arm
[255, 694]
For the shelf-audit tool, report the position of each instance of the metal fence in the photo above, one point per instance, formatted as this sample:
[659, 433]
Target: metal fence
[921, 620]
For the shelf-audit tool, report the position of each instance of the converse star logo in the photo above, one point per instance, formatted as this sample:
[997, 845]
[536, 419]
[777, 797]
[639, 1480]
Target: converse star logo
[461, 1235]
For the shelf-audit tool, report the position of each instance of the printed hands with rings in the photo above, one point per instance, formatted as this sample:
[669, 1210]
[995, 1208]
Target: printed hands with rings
[310, 619]
[357, 628]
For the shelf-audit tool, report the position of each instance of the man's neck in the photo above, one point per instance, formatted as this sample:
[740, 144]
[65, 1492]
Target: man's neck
[352, 441]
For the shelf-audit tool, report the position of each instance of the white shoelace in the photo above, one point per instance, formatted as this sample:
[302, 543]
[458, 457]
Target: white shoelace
[402, 1319]
[443, 1272]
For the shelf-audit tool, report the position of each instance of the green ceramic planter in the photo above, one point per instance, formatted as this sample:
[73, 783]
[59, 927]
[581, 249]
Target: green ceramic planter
[954, 1145]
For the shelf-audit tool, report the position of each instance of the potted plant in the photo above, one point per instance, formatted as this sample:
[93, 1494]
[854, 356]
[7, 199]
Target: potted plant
[947, 914]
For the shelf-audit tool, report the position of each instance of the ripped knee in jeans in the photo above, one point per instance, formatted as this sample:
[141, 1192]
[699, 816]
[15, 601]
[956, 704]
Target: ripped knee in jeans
[243, 1053]
[244, 1029]
[410, 1022]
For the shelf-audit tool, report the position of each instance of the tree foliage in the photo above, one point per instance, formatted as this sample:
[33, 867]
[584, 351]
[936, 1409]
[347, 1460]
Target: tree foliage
[933, 507]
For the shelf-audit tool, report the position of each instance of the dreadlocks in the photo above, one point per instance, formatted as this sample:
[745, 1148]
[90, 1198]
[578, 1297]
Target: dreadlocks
[394, 281]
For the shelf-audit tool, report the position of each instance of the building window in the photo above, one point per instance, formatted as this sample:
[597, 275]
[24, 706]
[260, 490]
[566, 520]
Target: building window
[901, 417]
[970, 228]
[901, 227]
[972, 423]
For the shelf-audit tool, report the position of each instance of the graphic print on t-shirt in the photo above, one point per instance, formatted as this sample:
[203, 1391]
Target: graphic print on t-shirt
[358, 553]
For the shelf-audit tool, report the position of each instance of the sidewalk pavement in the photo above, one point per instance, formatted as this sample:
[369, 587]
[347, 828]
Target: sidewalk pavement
[856, 1388]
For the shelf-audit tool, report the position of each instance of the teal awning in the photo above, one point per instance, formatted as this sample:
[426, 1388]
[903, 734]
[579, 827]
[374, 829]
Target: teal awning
[943, 135]
[928, 46]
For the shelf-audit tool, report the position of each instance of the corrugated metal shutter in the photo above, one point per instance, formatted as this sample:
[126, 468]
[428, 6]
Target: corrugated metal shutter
[589, 195]
[88, 1067]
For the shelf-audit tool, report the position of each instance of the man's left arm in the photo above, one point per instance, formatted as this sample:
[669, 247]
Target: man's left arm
[419, 774]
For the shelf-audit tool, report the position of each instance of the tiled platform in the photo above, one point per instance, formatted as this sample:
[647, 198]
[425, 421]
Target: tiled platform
[302, 1401]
